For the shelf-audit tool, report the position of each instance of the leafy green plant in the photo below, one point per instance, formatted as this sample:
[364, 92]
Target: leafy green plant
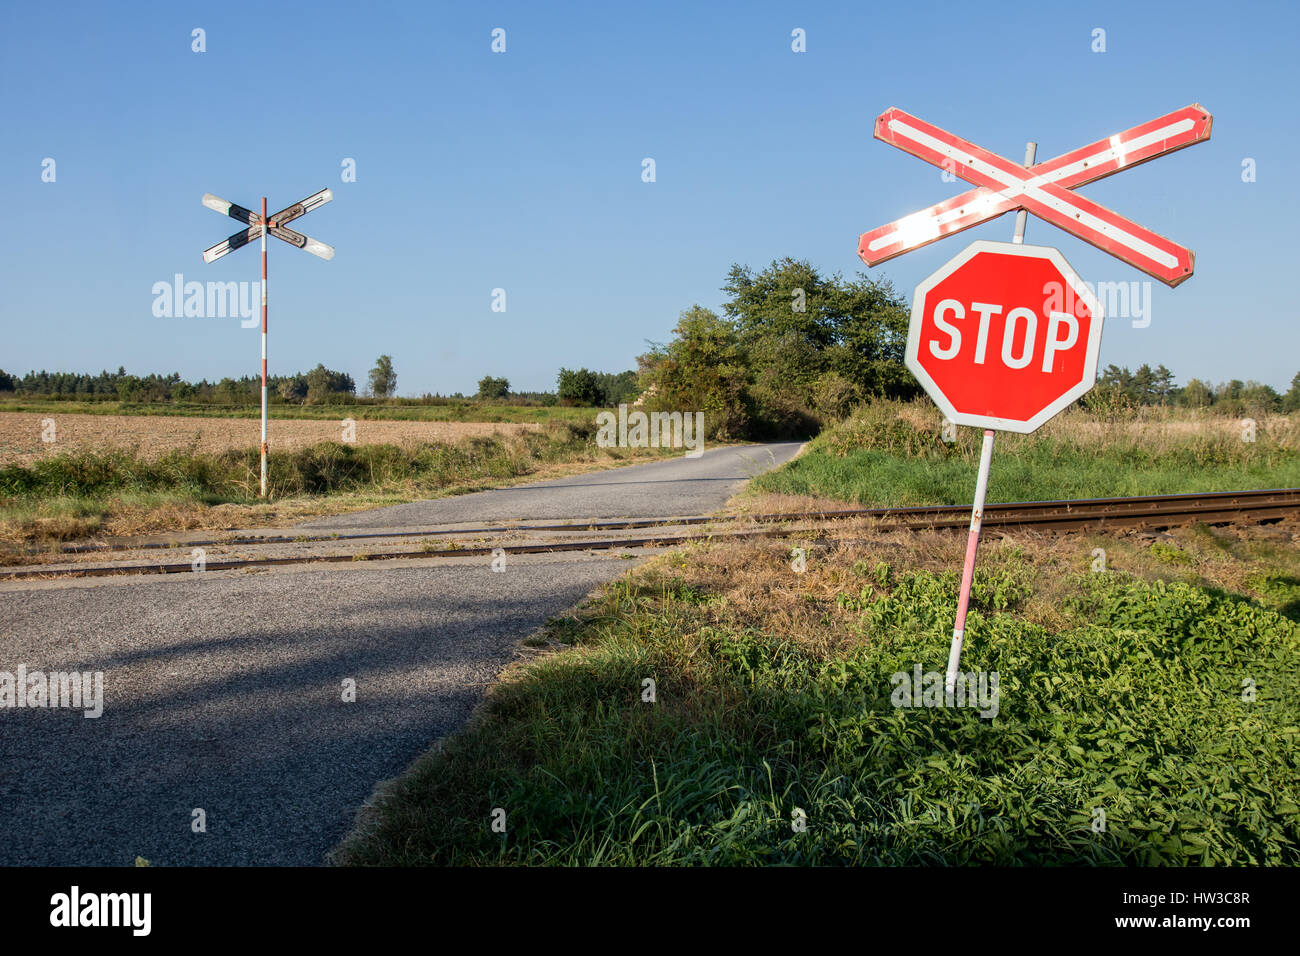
[1135, 708]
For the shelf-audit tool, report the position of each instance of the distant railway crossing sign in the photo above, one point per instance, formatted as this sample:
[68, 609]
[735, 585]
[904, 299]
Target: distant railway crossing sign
[277, 229]
[259, 224]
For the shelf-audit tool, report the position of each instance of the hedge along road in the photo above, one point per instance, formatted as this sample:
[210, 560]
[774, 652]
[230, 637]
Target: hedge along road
[223, 692]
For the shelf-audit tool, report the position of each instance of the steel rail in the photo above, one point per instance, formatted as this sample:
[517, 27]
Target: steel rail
[1154, 511]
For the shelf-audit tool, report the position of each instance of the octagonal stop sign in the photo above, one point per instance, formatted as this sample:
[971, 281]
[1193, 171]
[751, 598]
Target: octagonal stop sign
[1004, 336]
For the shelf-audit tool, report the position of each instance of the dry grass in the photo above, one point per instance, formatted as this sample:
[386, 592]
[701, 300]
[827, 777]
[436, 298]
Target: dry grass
[752, 584]
[153, 436]
[47, 524]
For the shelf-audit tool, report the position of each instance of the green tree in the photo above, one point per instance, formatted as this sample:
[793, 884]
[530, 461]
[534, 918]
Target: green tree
[292, 388]
[1162, 384]
[383, 379]
[1197, 394]
[618, 388]
[1261, 397]
[702, 369]
[580, 387]
[1143, 385]
[128, 389]
[324, 383]
[1291, 401]
[797, 326]
[493, 388]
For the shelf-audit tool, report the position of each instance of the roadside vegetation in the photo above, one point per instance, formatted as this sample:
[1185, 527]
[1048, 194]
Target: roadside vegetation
[890, 454]
[77, 494]
[1149, 714]
[792, 351]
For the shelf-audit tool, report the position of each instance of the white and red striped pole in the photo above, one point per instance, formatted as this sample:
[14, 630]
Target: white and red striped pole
[265, 224]
[977, 509]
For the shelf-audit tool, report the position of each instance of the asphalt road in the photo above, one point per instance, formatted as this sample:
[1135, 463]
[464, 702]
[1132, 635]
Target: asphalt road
[677, 486]
[224, 691]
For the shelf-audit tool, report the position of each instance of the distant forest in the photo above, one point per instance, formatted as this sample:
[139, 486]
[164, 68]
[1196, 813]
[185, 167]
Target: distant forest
[1148, 386]
[318, 386]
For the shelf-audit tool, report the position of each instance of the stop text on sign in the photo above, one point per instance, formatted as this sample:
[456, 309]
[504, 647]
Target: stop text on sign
[1019, 324]
[996, 343]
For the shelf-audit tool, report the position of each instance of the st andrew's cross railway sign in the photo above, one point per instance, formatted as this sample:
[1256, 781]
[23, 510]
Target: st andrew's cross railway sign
[1004, 336]
[259, 224]
[1044, 190]
[255, 222]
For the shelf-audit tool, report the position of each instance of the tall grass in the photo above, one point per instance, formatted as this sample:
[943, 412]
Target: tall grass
[893, 453]
[322, 468]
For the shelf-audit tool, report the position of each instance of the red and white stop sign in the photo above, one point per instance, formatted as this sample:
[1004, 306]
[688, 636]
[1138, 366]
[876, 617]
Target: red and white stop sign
[1004, 336]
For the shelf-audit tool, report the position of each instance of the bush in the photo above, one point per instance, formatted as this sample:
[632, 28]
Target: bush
[580, 387]
[490, 388]
[834, 396]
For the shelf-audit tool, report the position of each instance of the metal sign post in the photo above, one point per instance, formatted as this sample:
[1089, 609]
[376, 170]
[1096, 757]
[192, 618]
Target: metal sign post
[264, 317]
[258, 226]
[991, 291]
[981, 490]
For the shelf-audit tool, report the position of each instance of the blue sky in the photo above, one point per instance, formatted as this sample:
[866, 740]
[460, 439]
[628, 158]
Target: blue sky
[522, 171]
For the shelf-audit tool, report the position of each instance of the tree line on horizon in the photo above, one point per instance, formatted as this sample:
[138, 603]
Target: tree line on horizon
[317, 386]
[793, 349]
[1148, 386]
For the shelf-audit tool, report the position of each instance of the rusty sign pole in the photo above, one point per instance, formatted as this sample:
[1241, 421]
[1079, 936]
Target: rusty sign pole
[258, 226]
[977, 509]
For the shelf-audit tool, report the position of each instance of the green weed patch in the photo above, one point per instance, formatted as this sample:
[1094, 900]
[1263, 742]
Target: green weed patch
[1158, 727]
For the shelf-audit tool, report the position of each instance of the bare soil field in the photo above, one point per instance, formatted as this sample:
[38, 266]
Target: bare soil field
[153, 436]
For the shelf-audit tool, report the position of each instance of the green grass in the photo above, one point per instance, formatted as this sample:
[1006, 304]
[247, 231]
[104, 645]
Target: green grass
[879, 458]
[1133, 705]
[366, 410]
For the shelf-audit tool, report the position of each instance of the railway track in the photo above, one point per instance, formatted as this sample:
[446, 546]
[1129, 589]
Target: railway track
[1097, 514]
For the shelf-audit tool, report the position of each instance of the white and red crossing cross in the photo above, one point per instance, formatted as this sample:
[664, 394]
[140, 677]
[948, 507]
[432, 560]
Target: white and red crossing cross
[277, 227]
[1043, 189]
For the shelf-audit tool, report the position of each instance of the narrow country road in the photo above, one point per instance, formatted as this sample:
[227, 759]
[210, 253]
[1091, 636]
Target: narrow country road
[224, 690]
[677, 486]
